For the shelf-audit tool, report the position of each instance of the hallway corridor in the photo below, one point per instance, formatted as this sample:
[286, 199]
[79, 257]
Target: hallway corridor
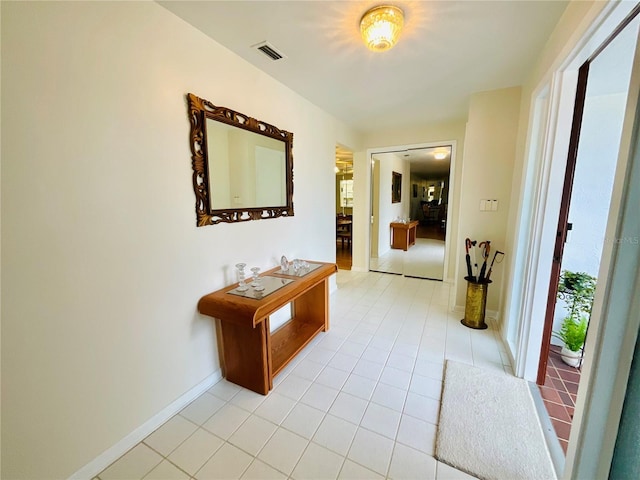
[361, 401]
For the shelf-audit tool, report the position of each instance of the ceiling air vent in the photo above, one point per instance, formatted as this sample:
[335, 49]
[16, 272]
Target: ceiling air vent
[269, 50]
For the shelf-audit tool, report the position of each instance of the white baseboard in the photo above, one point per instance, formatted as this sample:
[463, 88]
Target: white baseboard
[106, 458]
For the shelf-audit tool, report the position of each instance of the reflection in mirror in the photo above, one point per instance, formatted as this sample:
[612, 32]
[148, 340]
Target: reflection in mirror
[242, 167]
[246, 170]
[396, 187]
[428, 172]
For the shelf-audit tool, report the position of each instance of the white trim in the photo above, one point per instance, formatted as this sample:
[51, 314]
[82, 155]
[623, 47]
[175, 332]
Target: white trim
[106, 458]
[517, 297]
[548, 169]
[614, 320]
[534, 252]
[589, 453]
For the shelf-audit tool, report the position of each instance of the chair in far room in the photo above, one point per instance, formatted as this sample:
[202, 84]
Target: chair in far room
[343, 229]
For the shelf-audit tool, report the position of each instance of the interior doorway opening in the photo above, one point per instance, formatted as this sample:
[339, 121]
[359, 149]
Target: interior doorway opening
[410, 193]
[344, 207]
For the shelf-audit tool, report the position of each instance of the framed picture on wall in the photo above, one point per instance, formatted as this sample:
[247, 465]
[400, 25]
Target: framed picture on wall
[396, 187]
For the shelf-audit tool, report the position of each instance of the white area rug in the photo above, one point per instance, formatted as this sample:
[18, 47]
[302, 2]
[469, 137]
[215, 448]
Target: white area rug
[489, 427]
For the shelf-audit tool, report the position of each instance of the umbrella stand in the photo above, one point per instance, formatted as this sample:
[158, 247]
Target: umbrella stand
[476, 303]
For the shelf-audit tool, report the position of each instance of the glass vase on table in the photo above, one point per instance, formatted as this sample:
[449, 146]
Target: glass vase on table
[242, 286]
[257, 281]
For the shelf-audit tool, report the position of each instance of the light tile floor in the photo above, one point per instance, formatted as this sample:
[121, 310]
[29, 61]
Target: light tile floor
[360, 402]
[425, 259]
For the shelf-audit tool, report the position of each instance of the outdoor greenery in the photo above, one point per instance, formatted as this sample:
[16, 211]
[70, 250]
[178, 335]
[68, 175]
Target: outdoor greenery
[576, 289]
[572, 333]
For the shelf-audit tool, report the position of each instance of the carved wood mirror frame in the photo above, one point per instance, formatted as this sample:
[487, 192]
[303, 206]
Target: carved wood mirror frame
[199, 111]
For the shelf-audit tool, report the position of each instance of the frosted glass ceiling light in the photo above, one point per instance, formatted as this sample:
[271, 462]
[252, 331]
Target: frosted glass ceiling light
[440, 155]
[380, 27]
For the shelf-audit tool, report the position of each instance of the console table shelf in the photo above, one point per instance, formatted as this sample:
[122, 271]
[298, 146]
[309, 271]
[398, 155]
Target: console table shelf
[252, 354]
[288, 340]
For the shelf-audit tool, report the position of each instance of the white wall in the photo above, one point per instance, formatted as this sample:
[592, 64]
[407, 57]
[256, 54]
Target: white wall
[102, 262]
[539, 168]
[593, 182]
[388, 211]
[490, 145]
[428, 133]
[582, 28]
[592, 187]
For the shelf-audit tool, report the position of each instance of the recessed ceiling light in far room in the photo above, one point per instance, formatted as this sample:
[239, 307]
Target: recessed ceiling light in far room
[380, 27]
[440, 155]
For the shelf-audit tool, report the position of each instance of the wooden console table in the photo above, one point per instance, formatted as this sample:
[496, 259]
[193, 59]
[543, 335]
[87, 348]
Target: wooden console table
[252, 354]
[403, 235]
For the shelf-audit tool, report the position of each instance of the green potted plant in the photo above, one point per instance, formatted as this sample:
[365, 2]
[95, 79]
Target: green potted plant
[576, 289]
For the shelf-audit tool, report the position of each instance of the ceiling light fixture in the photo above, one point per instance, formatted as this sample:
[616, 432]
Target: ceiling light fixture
[440, 155]
[380, 27]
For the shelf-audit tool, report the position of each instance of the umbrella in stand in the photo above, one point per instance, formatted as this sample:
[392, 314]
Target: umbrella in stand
[474, 262]
[492, 261]
[468, 244]
[485, 254]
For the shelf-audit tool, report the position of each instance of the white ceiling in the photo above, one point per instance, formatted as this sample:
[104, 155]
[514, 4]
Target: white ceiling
[422, 161]
[447, 51]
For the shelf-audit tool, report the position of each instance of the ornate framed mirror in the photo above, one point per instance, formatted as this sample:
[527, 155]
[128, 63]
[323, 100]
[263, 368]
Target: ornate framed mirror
[242, 167]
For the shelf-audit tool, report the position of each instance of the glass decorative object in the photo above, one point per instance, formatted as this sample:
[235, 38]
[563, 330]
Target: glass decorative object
[257, 281]
[242, 286]
[380, 27]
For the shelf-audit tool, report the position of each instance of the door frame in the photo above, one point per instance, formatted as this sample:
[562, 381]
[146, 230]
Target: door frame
[563, 219]
[600, 399]
[450, 205]
[597, 415]
[541, 186]
[565, 204]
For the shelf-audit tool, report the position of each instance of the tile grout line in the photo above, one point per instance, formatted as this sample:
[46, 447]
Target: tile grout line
[414, 314]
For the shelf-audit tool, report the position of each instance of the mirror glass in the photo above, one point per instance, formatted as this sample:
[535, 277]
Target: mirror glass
[246, 169]
[399, 249]
[242, 167]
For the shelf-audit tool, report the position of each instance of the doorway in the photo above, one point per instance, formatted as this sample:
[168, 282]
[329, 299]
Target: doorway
[599, 114]
[410, 188]
[344, 207]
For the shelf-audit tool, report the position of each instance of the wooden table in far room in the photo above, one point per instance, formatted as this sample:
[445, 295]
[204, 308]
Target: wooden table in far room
[403, 235]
